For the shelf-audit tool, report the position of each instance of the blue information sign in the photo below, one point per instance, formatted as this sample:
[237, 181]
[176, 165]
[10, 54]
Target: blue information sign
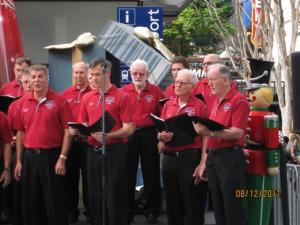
[145, 16]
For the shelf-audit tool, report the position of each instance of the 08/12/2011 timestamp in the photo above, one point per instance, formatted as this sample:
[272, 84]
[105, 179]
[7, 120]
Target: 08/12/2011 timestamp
[257, 193]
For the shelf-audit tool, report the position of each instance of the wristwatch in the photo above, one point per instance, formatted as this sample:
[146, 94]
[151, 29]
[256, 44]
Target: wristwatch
[64, 157]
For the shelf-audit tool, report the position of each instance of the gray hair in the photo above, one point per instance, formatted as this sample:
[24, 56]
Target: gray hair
[139, 62]
[190, 73]
[223, 70]
[39, 67]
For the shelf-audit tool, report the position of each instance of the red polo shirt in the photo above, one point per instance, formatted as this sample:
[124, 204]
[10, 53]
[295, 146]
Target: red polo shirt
[5, 132]
[232, 111]
[12, 88]
[74, 96]
[194, 107]
[116, 104]
[11, 114]
[43, 122]
[144, 103]
[203, 88]
[170, 91]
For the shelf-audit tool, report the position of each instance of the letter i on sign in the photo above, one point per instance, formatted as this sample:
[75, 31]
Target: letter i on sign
[127, 17]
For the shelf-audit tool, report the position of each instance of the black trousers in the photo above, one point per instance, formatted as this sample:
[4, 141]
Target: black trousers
[183, 197]
[76, 163]
[113, 163]
[17, 202]
[43, 192]
[142, 146]
[226, 174]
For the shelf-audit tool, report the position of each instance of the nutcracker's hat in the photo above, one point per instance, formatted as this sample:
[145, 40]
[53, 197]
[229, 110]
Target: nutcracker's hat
[260, 72]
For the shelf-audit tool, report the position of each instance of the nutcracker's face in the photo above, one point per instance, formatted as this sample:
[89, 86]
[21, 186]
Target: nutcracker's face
[260, 98]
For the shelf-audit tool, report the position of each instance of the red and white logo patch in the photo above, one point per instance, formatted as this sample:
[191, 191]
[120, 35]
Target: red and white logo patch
[226, 107]
[149, 98]
[190, 111]
[50, 104]
[109, 100]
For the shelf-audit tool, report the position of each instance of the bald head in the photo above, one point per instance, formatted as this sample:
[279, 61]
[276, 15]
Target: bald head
[210, 59]
[79, 71]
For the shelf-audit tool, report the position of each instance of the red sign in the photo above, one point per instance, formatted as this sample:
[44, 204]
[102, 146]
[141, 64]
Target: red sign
[255, 16]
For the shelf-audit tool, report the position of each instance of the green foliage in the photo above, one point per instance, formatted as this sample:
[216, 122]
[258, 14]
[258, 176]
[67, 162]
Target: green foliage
[196, 30]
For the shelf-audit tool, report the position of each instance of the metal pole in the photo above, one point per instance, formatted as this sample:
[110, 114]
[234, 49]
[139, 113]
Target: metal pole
[103, 145]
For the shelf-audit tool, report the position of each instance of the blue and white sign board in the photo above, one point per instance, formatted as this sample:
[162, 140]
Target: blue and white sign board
[148, 16]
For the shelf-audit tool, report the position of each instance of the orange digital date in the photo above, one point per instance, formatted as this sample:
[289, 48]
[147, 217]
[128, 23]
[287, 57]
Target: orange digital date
[257, 193]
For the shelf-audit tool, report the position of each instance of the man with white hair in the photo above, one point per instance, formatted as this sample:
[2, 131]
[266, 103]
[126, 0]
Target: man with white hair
[185, 196]
[202, 86]
[224, 159]
[144, 99]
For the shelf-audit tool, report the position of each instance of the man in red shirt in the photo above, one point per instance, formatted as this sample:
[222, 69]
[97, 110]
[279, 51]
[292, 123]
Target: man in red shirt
[27, 87]
[43, 140]
[224, 160]
[185, 197]
[178, 63]
[14, 88]
[77, 154]
[144, 99]
[202, 86]
[5, 150]
[110, 162]
[15, 192]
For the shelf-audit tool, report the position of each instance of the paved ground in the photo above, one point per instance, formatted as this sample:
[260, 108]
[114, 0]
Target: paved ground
[141, 220]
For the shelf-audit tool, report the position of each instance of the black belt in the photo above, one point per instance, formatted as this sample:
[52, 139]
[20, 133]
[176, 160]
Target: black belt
[145, 129]
[214, 151]
[99, 149]
[39, 151]
[182, 153]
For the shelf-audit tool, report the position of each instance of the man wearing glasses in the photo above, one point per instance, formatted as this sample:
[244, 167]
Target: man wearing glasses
[185, 196]
[202, 86]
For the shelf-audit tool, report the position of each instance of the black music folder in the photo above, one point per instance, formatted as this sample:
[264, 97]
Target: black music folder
[200, 96]
[210, 124]
[181, 126]
[95, 127]
[5, 101]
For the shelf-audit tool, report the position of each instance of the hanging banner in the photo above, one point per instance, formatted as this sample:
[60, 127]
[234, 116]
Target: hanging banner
[255, 16]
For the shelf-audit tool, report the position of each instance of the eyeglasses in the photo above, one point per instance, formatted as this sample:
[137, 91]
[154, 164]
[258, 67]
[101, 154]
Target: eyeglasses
[208, 63]
[182, 83]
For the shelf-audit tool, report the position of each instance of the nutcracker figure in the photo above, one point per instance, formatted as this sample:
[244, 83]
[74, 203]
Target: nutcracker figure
[262, 152]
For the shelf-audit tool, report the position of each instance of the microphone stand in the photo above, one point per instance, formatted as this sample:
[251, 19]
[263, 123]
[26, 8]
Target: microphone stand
[103, 146]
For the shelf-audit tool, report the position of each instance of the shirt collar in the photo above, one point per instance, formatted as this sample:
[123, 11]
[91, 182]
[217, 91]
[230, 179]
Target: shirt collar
[50, 92]
[132, 87]
[15, 83]
[110, 91]
[190, 102]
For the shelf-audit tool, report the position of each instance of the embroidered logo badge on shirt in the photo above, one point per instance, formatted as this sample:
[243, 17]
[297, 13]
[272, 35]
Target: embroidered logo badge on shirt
[226, 107]
[149, 98]
[50, 104]
[25, 110]
[109, 100]
[190, 111]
